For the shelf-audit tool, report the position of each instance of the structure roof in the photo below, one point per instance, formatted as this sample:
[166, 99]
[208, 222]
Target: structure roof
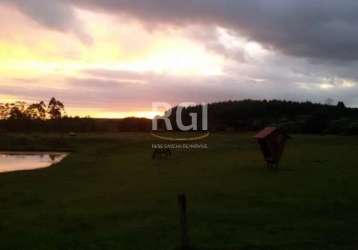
[265, 132]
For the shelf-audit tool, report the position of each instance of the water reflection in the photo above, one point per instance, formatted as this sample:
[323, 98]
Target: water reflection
[15, 161]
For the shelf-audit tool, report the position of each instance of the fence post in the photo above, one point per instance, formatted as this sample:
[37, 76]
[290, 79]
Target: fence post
[185, 244]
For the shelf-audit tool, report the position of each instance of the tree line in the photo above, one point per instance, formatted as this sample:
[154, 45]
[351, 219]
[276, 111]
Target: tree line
[20, 110]
[51, 117]
[295, 117]
[230, 116]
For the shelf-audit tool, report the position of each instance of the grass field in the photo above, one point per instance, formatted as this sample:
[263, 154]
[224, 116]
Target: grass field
[110, 194]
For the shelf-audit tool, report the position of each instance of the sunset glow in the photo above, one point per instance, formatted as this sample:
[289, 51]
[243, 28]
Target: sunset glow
[102, 62]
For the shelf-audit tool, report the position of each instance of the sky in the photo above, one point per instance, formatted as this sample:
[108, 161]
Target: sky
[114, 58]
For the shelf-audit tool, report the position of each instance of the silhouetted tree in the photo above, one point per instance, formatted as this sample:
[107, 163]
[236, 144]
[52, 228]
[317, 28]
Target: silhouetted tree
[16, 114]
[55, 109]
[36, 111]
[245, 115]
[341, 105]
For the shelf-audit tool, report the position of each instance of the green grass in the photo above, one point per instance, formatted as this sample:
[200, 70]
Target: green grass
[110, 194]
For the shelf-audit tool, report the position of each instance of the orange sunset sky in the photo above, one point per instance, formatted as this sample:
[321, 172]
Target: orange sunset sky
[114, 58]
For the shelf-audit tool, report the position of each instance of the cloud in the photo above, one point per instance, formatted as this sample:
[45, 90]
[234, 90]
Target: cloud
[117, 91]
[317, 29]
[283, 78]
[274, 49]
[100, 84]
[57, 15]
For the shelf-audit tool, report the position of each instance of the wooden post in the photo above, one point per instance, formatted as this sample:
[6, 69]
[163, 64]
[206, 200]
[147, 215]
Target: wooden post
[185, 244]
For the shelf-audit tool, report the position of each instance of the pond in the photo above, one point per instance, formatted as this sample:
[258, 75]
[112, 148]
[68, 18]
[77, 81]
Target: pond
[15, 161]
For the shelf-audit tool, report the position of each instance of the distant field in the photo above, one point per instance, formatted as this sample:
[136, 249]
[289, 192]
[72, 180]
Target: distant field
[110, 194]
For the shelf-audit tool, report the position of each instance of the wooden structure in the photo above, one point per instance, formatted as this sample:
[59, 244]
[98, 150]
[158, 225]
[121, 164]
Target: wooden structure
[272, 142]
[185, 242]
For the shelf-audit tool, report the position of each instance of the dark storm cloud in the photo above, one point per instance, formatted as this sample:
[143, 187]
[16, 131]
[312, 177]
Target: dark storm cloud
[318, 29]
[57, 15]
[322, 29]
[53, 14]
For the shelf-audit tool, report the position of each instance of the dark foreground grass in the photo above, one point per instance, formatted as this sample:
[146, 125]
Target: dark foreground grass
[110, 194]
